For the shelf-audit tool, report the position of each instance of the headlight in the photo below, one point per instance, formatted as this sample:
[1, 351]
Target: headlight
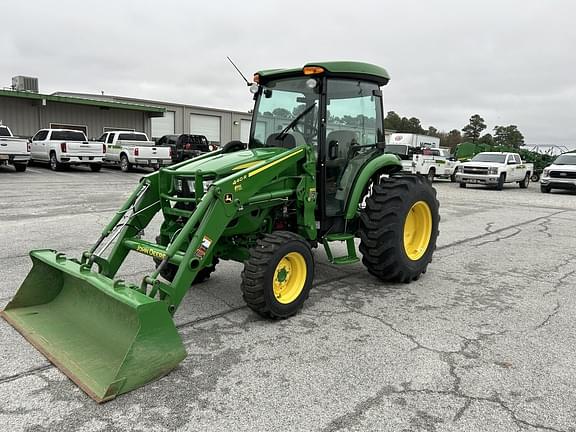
[493, 170]
[546, 172]
[205, 185]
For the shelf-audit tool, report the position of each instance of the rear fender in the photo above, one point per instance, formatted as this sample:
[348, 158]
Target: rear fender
[383, 164]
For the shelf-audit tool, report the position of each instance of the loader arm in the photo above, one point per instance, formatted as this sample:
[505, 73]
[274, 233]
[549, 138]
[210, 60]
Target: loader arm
[219, 205]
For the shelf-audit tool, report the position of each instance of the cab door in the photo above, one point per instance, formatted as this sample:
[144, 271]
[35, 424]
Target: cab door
[38, 150]
[352, 129]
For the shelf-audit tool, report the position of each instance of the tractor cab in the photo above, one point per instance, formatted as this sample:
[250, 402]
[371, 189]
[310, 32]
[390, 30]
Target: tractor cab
[336, 108]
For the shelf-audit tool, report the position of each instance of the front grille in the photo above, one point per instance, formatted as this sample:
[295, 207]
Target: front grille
[563, 174]
[475, 170]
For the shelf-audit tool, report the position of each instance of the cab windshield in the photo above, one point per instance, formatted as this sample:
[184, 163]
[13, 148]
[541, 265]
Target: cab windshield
[489, 157]
[566, 159]
[286, 113]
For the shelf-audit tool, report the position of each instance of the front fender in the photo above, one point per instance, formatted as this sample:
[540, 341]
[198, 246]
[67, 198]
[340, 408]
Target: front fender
[383, 164]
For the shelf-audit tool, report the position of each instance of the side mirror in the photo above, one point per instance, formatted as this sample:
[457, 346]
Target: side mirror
[333, 149]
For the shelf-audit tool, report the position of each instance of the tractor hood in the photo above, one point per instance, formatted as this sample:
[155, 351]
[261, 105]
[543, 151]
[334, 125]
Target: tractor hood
[222, 164]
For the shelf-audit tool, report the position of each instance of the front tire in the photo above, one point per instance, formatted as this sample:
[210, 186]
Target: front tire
[169, 271]
[463, 185]
[545, 189]
[95, 167]
[399, 228]
[524, 183]
[277, 277]
[431, 175]
[501, 180]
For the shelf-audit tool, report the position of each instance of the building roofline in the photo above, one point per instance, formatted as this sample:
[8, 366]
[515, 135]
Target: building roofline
[82, 101]
[162, 104]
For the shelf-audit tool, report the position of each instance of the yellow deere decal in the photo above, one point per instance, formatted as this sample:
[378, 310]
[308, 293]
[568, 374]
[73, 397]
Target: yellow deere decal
[245, 165]
[271, 164]
[151, 252]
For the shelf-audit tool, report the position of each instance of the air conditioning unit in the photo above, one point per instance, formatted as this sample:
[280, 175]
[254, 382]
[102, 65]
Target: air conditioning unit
[23, 83]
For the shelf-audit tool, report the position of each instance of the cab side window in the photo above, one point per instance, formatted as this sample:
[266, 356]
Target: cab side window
[110, 138]
[40, 136]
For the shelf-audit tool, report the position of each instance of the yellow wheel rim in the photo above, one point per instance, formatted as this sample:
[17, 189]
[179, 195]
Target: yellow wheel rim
[417, 230]
[289, 278]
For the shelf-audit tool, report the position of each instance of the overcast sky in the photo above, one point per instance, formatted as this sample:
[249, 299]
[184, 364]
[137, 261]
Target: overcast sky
[512, 62]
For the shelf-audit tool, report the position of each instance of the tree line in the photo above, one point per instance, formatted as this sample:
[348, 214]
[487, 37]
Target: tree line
[472, 132]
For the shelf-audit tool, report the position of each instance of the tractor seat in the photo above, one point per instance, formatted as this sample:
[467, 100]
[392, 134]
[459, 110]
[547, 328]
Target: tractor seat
[344, 140]
[290, 140]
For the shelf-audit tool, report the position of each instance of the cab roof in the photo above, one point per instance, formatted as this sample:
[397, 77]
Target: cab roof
[344, 69]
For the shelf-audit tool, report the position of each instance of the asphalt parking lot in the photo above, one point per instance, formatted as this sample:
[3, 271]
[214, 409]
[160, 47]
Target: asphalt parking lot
[485, 341]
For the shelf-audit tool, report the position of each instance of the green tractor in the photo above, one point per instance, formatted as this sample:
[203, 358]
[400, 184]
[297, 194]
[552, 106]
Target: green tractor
[314, 171]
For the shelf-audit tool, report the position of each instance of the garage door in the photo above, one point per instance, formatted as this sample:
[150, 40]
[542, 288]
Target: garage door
[163, 125]
[245, 130]
[209, 126]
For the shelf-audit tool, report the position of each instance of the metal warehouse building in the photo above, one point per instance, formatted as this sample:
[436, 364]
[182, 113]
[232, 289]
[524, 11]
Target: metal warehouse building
[26, 112]
[219, 126]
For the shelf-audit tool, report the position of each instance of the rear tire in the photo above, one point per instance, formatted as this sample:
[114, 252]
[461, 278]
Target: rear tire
[535, 177]
[125, 165]
[545, 189]
[277, 277]
[95, 167]
[20, 167]
[399, 228]
[431, 175]
[501, 180]
[524, 183]
[54, 164]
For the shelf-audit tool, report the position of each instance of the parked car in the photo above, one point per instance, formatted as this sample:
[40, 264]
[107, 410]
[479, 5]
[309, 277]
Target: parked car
[561, 174]
[63, 147]
[14, 151]
[130, 149]
[186, 146]
[495, 169]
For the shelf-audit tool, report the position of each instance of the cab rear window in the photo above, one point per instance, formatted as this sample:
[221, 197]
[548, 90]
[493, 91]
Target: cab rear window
[68, 136]
[132, 137]
[4, 131]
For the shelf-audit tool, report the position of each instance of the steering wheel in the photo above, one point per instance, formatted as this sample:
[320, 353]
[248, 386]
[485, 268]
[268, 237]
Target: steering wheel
[233, 146]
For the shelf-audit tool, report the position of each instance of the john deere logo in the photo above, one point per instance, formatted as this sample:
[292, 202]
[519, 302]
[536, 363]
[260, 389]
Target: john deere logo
[228, 198]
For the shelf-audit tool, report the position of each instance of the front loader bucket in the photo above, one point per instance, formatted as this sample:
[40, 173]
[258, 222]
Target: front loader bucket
[109, 339]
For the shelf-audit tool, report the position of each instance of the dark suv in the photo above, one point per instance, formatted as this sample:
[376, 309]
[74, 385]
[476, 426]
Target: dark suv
[186, 146]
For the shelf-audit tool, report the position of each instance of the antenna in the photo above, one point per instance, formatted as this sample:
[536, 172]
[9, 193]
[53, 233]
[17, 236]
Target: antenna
[241, 74]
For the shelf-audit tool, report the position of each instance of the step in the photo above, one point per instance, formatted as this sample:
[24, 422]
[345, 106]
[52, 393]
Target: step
[351, 256]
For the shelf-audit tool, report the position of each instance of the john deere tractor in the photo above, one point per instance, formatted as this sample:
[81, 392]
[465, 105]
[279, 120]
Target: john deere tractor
[315, 171]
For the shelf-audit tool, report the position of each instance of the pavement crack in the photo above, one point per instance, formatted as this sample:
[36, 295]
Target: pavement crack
[350, 418]
[486, 234]
[26, 373]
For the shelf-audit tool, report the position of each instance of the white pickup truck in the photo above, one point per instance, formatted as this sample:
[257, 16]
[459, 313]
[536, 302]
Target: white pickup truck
[64, 147]
[15, 151]
[560, 175]
[429, 162]
[130, 149]
[495, 169]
